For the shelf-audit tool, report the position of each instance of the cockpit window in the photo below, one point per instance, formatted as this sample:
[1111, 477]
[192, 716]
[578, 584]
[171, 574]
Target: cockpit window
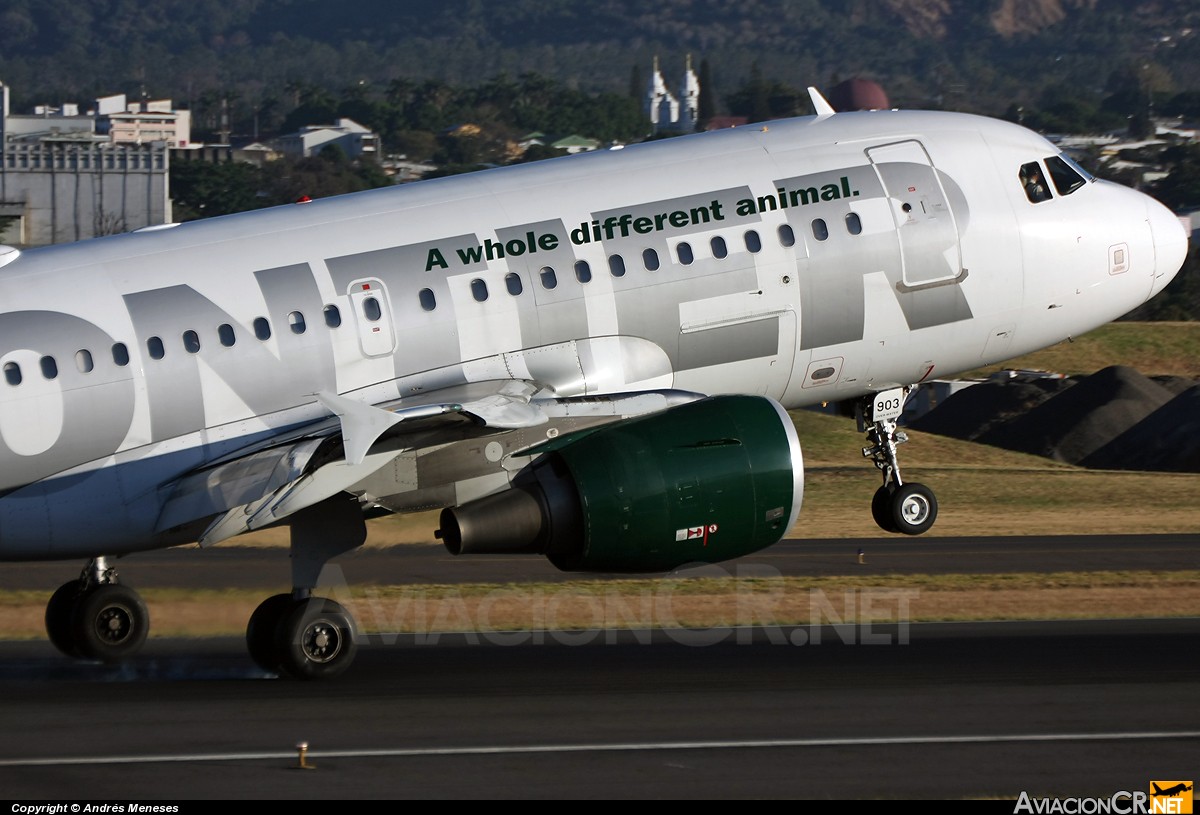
[1034, 183]
[1066, 174]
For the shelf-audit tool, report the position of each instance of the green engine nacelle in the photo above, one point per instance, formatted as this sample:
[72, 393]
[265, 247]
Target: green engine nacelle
[700, 483]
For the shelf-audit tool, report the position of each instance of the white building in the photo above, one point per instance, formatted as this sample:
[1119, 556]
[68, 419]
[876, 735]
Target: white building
[353, 138]
[61, 181]
[148, 121]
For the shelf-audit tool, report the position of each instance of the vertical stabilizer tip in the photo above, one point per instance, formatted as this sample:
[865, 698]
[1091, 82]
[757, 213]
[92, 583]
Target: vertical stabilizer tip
[820, 103]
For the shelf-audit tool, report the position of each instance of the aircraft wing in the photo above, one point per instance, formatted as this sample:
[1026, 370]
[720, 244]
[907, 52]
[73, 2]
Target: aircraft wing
[266, 482]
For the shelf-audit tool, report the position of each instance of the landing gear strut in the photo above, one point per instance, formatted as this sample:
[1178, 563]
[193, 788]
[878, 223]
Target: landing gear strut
[95, 617]
[299, 635]
[896, 507]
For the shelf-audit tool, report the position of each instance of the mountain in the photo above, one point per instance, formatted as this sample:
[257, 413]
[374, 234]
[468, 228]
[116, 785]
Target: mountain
[919, 49]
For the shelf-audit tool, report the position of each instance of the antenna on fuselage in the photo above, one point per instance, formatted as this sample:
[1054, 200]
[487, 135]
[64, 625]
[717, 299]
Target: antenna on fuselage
[820, 103]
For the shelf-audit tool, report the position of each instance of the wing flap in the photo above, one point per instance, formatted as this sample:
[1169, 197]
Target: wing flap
[266, 485]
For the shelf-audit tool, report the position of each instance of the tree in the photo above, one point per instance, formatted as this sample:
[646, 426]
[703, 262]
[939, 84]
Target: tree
[1180, 189]
[759, 100]
[760, 96]
[202, 189]
[707, 103]
[637, 85]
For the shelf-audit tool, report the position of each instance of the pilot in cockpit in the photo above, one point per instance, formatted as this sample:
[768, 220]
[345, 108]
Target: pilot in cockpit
[1034, 183]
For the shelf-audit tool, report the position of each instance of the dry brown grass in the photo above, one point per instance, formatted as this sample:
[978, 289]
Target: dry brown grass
[706, 602]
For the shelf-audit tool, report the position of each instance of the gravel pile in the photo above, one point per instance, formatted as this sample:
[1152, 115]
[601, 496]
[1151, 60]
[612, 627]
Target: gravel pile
[974, 411]
[1166, 440]
[1116, 418]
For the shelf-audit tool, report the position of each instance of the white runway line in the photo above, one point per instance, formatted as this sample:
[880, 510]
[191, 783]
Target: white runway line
[419, 752]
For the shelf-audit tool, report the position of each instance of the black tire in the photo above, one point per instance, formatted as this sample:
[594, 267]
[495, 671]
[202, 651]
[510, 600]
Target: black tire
[318, 639]
[262, 632]
[881, 508]
[110, 623]
[59, 615]
[914, 508]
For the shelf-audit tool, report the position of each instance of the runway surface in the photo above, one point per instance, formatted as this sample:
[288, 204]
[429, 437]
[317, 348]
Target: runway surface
[238, 567]
[930, 710]
[926, 710]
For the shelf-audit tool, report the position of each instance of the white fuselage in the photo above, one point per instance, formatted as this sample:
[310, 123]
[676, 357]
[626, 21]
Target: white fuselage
[808, 260]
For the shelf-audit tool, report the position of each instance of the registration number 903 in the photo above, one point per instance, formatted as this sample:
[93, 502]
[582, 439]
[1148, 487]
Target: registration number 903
[887, 405]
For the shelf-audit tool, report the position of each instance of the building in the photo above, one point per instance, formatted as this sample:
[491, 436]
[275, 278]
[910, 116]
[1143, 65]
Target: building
[570, 144]
[61, 180]
[148, 121]
[667, 112]
[354, 139]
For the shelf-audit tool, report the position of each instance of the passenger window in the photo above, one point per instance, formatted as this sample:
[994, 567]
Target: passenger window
[549, 278]
[753, 242]
[83, 361]
[819, 229]
[786, 236]
[120, 354]
[616, 265]
[262, 328]
[1034, 183]
[12, 373]
[156, 348]
[333, 316]
[853, 223]
[191, 342]
[512, 281]
[684, 252]
[650, 260]
[583, 271]
[478, 290]
[719, 249]
[1066, 174]
[49, 367]
[225, 335]
[427, 298]
[373, 311]
[296, 321]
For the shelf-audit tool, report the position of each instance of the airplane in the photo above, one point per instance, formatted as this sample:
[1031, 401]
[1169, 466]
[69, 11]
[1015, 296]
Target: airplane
[588, 358]
[1170, 792]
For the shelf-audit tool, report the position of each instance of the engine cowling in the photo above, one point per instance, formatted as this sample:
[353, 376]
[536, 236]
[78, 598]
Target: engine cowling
[703, 482]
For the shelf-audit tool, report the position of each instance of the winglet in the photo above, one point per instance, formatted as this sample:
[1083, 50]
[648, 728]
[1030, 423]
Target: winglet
[819, 103]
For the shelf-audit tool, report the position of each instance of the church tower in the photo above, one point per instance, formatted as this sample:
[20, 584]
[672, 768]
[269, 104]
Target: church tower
[689, 113]
[661, 106]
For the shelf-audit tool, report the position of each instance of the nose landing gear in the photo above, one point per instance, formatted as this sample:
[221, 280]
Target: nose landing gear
[906, 508]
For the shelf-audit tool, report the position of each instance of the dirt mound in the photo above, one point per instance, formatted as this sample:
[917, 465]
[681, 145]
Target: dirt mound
[974, 411]
[1083, 418]
[1175, 384]
[1166, 440]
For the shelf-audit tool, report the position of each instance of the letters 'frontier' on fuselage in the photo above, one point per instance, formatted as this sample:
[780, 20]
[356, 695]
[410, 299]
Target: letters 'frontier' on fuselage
[806, 260]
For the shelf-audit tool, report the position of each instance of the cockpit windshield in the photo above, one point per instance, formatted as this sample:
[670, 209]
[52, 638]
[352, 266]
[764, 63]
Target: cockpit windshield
[1066, 174]
[1034, 183]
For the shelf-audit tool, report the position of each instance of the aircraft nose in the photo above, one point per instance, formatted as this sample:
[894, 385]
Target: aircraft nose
[1170, 244]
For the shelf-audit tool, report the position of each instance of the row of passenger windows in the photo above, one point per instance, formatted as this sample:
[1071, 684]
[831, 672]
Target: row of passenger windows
[373, 310]
[650, 260]
[157, 348]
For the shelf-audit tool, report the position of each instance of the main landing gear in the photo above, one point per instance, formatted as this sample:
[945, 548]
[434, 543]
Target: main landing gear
[299, 635]
[97, 618]
[897, 507]
[296, 634]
